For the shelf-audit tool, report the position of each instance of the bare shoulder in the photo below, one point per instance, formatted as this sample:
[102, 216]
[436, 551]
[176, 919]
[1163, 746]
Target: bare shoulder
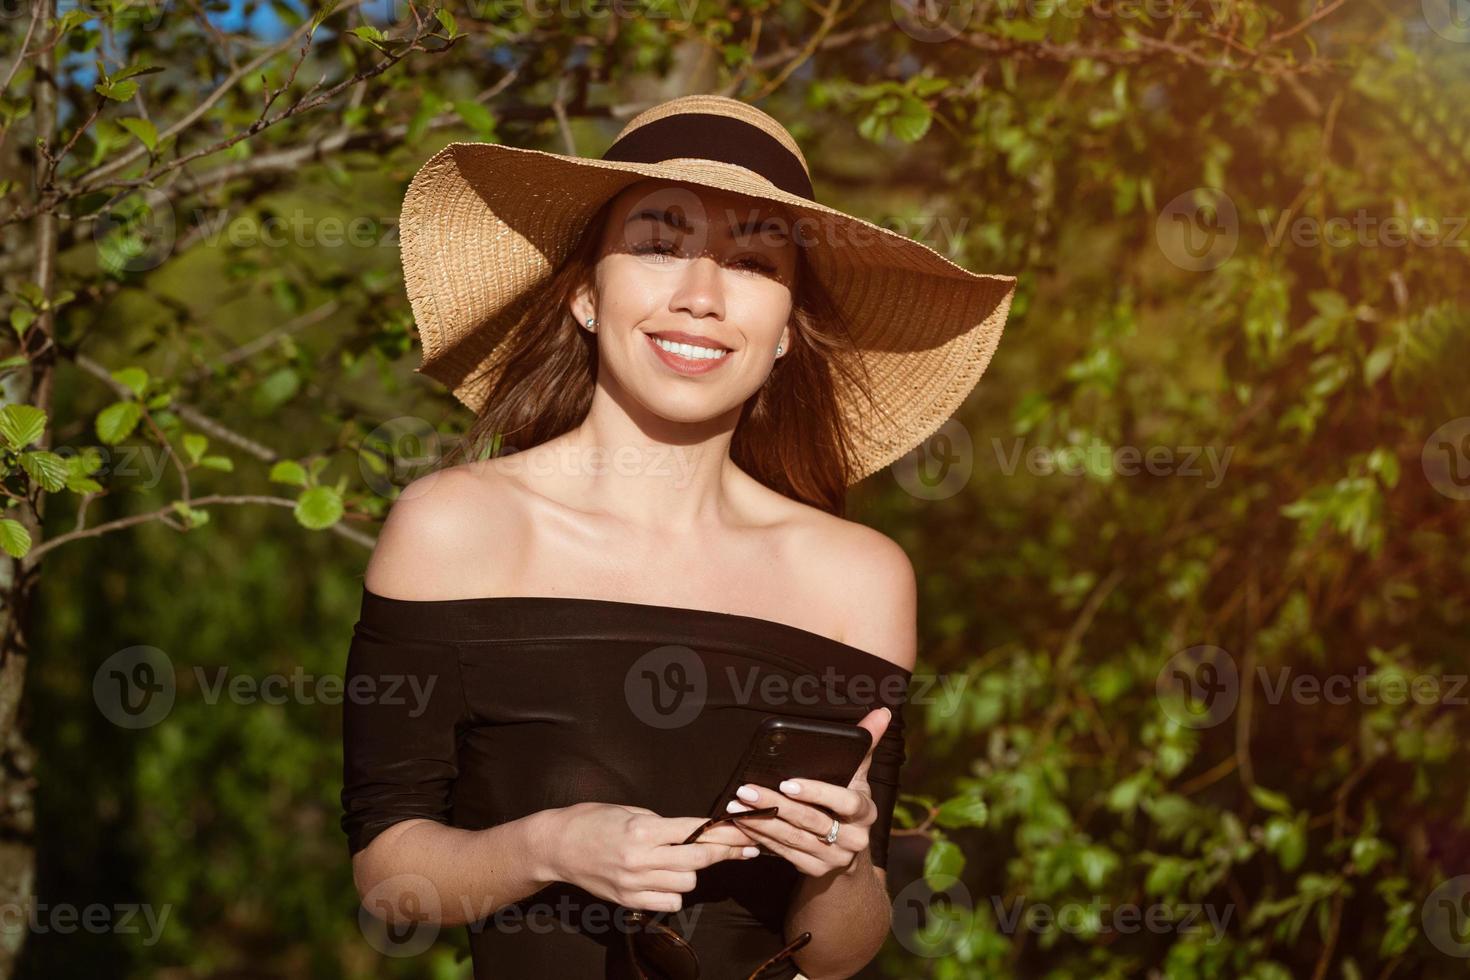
[874, 584]
[440, 531]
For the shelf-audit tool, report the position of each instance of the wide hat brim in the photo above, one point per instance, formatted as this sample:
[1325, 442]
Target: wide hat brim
[483, 224]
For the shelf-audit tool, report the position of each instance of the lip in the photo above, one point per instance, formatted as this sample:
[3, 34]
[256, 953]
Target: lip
[683, 365]
[679, 336]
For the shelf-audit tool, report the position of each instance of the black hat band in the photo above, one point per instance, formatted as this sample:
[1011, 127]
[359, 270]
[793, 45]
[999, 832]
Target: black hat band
[715, 137]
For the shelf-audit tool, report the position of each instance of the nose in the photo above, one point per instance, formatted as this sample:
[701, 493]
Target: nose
[700, 291]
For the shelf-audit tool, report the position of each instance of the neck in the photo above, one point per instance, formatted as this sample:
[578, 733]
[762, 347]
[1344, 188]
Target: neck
[652, 471]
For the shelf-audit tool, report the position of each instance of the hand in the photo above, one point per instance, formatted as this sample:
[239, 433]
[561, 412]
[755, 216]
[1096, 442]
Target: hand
[798, 833]
[632, 856]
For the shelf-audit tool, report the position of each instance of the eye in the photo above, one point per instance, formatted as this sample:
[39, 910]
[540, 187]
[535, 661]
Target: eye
[655, 247]
[755, 263]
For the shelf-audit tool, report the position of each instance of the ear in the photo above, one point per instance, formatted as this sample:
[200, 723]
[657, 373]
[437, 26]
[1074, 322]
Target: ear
[581, 306]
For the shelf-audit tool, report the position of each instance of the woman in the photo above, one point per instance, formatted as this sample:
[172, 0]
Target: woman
[694, 360]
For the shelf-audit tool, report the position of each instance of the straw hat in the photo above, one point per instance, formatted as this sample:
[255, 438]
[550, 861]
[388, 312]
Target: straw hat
[484, 224]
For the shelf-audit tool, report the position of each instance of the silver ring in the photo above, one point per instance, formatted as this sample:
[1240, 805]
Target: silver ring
[831, 837]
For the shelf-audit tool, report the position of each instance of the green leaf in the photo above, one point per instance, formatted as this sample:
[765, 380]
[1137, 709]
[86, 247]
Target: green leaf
[275, 390]
[117, 421]
[14, 538]
[943, 864]
[290, 472]
[912, 120]
[1096, 863]
[21, 318]
[962, 811]
[31, 293]
[134, 70]
[117, 91]
[144, 129]
[1377, 363]
[21, 425]
[1268, 800]
[1287, 839]
[322, 14]
[46, 468]
[873, 127]
[193, 517]
[222, 463]
[370, 34]
[476, 116]
[1167, 875]
[447, 20]
[195, 445]
[318, 508]
[135, 379]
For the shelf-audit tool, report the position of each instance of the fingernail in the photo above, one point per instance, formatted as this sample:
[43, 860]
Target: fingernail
[889, 710]
[791, 787]
[751, 852]
[736, 807]
[747, 794]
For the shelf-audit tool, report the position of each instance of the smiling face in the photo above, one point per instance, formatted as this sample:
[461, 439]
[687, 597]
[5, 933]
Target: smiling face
[693, 293]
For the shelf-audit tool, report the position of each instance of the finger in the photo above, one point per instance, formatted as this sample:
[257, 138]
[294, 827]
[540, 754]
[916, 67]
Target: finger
[692, 857]
[725, 833]
[809, 855]
[801, 807]
[683, 829]
[654, 901]
[848, 805]
[876, 722]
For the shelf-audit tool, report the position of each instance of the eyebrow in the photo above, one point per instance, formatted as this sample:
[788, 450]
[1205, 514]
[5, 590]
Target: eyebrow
[674, 220]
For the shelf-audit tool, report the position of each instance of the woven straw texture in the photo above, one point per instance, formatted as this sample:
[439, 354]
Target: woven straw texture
[483, 224]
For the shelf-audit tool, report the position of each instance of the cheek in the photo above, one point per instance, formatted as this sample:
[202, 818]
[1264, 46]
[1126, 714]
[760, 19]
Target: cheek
[762, 310]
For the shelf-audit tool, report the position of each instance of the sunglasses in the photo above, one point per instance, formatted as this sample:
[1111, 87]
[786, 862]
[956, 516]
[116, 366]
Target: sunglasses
[656, 952]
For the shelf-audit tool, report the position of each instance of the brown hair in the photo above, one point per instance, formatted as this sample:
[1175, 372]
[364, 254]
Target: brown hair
[791, 435]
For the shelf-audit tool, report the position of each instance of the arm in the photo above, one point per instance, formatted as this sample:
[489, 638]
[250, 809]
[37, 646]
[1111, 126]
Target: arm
[849, 913]
[471, 873]
[400, 757]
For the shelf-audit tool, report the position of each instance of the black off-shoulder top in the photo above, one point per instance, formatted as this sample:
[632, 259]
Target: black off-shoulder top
[474, 712]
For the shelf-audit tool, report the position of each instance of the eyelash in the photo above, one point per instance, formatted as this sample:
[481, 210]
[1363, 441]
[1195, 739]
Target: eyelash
[664, 248]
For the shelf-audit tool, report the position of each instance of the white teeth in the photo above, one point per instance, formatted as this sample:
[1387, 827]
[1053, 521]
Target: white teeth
[689, 350]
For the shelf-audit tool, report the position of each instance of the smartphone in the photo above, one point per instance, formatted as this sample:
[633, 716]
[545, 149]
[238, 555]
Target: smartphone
[792, 748]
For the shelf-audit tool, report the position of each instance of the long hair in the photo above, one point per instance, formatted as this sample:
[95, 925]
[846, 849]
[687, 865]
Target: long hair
[791, 434]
